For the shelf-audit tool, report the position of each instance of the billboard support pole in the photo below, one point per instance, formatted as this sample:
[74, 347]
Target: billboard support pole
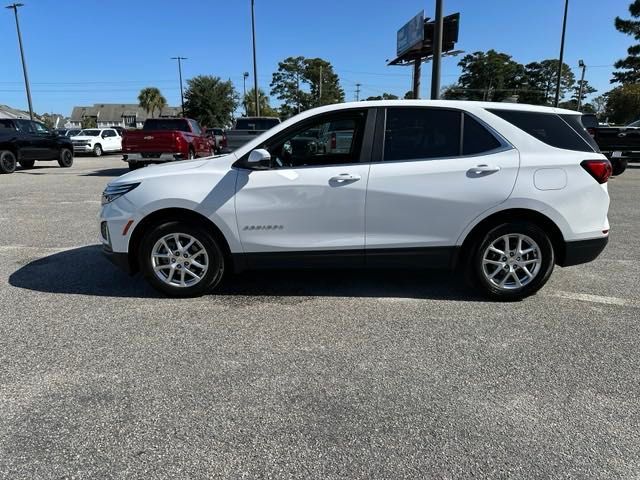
[437, 52]
[417, 73]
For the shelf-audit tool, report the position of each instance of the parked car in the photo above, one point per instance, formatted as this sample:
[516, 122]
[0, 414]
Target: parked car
[28, 141]
[503, 191]
[164, 140]
[247, 129]
[121, 131]
[97, 141]
[619, 144]
[220, 138]
[68, 132]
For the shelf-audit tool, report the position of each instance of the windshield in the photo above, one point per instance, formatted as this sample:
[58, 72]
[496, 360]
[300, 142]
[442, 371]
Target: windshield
[89, 133]
[178, 124]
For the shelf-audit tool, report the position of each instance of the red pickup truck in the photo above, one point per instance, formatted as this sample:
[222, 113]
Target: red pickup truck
[165, 140]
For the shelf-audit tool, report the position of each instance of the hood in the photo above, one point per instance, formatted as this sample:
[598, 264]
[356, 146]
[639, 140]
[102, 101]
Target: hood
[83, 137]
[176, 168]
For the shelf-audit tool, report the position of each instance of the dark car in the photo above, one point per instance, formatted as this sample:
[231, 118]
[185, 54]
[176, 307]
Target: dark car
[28, 141]
[619, 144]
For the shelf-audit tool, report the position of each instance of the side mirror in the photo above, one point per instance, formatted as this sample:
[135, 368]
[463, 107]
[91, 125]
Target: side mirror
[259, 158]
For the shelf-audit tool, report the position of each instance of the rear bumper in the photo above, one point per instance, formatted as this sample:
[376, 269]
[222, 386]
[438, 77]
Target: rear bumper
[150, 158]
[582, 251]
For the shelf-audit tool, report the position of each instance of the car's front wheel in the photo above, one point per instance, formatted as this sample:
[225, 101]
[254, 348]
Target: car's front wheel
[513, 261]
[97, 150]
[7, 162]
[66, 158]
[181, 260]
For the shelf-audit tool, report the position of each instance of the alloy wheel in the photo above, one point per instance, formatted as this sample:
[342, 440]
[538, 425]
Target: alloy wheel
[179, 260]
[511, 261]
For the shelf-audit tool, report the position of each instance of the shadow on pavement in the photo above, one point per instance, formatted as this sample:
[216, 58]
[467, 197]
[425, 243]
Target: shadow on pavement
[85, 271]
[107, 172]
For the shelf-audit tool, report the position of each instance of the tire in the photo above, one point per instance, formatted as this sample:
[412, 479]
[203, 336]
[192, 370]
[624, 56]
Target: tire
[66, 158]
[495, 273]
[27, 164]
[7, 162]
[97, 150]
[192, 154]
[619, 165]
[167, 279]
[136, 165]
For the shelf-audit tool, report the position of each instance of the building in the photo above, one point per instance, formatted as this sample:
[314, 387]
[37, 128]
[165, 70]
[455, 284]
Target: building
[127, 115]
[8, 112]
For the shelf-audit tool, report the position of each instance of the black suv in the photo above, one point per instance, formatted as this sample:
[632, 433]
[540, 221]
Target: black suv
[26, 141]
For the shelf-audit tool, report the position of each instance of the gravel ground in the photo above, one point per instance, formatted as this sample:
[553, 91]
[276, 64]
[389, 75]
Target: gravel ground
[304, 375]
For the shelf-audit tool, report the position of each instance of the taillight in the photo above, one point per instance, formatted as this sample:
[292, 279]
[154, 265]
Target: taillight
[592, 132]
[598, 169]
[333, 141]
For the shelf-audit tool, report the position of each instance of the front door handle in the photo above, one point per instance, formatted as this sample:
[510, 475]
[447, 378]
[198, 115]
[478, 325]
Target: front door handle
[345, 177]
[484, 168]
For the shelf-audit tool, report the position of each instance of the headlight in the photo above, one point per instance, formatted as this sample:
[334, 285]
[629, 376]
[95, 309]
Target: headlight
[115, 191]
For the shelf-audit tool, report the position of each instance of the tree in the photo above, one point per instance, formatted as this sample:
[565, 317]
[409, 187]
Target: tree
[385, 96]
[629, 67]
[150, 99]
[490, 75]
[286, 86]
[297, 84]
[540, 81]
[623, 103]
[265, 108]
[599, 104]
[408, 95]
[586, 91]
[210, 100]
[317, 70]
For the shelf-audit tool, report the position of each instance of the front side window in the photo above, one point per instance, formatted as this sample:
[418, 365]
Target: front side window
[40, 128]
[332, 140]
[421, 133]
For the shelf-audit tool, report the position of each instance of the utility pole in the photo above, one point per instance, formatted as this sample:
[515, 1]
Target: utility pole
[14, 7]
[179, 59]
[564, 30]
[417, 73]
[582, 65]
[358, 85]
[245, 75]
[320, 88]
[437, 52]
[255, 65]
[298, 90]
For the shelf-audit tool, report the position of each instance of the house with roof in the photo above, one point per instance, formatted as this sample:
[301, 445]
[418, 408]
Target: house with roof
[126, 115]
[8, 112]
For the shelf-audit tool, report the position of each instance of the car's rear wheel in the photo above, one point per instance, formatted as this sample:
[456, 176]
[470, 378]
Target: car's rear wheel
[513, 261]
[66, 158]
[619, 165]
[97, 150]
[7, 162]
[181, 260]
[27, 164]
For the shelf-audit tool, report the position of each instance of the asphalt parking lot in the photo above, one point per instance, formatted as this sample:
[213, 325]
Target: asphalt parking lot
[305, 375]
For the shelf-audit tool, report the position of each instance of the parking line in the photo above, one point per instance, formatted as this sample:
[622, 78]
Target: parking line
[587, 297]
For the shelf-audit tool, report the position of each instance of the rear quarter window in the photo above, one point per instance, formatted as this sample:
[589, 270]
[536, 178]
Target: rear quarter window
[549, 128]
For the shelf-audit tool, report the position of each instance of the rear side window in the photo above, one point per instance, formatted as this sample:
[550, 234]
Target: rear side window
[6, 124]
[578, 124]
[477, 139]
[419, 133]
[546, 127]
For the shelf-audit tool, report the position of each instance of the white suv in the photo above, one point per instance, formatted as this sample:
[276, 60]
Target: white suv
[504, 191]
[97, 141]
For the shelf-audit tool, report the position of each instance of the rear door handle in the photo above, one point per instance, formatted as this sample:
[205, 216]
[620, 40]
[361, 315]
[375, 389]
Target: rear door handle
[345, 177]
[484, 169]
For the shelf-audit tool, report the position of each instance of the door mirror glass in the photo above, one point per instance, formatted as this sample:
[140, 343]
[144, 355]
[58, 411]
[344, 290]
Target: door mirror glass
[259, 158]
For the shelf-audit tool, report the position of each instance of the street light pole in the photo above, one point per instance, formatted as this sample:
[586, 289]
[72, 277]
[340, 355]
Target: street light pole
[255, 65]
[437, 52]
[582, 65]
[15, 7]
[179, 59]
[564, 30]
[245, 75]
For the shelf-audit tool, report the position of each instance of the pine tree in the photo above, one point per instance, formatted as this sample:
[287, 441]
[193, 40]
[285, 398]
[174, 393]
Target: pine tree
[629, 68]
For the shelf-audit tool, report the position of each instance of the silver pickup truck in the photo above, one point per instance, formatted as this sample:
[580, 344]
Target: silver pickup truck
[247, 128]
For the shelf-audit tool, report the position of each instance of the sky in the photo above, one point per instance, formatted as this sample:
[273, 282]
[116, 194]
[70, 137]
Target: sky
[90, 51]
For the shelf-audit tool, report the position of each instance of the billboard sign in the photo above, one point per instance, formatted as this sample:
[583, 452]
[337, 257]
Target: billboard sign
[411, 34]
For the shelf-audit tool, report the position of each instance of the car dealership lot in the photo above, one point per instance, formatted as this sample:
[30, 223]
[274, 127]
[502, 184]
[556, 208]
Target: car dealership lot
[326, 375]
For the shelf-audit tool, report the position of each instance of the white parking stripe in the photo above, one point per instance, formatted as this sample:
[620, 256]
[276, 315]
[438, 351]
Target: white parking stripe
[586, 297]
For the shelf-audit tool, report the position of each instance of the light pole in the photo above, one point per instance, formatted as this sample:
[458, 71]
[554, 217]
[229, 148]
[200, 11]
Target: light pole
[255, 65]
[14, 7]
[179, 59]
[245, 75]
[582, 65]
[564, 30]
[437, 52]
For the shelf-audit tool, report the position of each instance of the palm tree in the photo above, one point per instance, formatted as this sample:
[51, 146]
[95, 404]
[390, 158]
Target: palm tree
[150, 99]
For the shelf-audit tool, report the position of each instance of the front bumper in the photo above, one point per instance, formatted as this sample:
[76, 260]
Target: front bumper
[82, 148]
[582, 251]
[152, 157]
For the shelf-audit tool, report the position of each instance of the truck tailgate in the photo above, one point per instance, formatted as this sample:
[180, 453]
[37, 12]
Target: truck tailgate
[150, 141]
